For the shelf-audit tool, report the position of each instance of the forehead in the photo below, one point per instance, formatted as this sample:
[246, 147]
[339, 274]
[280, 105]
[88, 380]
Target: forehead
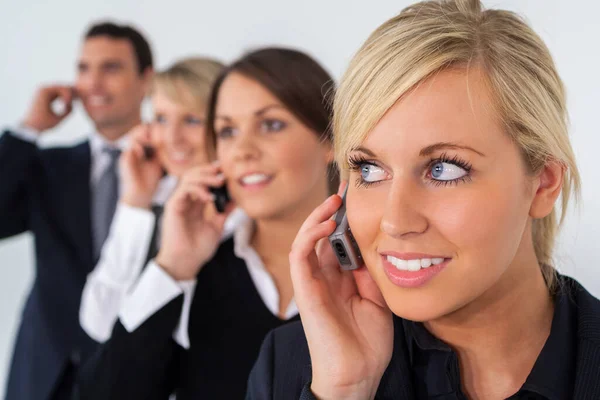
[103, 48]
[175, 100]
[240, 95]
[454, 105]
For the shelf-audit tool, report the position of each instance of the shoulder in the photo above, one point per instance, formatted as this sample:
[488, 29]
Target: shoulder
[587, 309]
[283, 365]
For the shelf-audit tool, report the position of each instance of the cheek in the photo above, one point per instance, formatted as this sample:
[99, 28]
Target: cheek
[364, 209]
[481, 222]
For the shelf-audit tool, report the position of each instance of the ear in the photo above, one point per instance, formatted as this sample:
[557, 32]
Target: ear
[147, 76]
[548, 185]
[329, 153]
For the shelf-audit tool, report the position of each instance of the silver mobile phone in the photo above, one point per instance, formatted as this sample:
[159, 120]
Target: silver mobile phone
[344, 246]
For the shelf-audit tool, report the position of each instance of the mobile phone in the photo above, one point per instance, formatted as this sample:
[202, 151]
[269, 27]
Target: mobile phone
[221, 197]
[149, 152]
[342, 242]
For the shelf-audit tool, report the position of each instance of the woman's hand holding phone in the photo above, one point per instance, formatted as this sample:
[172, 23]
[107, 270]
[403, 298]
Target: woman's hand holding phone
[348, 326]
[140, 169]
[190, 234]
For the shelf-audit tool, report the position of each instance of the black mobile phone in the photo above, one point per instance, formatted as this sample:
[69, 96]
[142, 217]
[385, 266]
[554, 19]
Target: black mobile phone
[344, 246]
[149, 152]
[221, 197]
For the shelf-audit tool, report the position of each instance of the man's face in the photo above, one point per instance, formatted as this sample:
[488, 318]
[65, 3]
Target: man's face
[109, 83]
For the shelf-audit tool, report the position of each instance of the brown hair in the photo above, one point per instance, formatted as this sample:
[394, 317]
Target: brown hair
[296, 79]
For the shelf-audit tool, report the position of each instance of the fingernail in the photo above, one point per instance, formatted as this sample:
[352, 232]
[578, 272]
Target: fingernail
[221, 176]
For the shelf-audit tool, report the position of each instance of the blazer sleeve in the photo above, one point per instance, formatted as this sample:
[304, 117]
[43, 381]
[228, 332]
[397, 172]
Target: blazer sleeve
[142, 364]
[17, 160]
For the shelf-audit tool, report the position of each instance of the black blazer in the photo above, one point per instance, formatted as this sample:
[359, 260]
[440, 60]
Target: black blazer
[283, 368]
[228, 321]
[46, 191]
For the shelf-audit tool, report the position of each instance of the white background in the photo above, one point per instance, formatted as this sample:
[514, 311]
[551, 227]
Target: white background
[39, 43]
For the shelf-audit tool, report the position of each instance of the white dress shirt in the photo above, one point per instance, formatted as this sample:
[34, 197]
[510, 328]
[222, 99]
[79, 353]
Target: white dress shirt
[121, 261]
[155, 288]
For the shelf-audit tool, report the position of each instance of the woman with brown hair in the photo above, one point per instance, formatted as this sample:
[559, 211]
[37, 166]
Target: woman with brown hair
[269, 122]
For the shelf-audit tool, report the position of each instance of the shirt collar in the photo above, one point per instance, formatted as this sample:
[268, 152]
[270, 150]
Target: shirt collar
[553, 373]
[98, 142]
[242, 236]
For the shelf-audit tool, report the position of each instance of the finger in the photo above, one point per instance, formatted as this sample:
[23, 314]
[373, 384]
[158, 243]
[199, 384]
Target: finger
[137, 150]
[304, 247]
[322, 212]
[213, 180]
[203, 169]
[367, 288]
[199, 192]
[342, 188]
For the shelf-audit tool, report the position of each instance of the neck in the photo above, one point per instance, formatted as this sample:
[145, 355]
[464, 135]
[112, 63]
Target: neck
[112, 133]
[499, 336]
[273, 237]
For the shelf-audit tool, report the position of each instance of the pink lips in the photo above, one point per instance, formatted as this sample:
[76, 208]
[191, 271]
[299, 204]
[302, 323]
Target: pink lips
[411, 279]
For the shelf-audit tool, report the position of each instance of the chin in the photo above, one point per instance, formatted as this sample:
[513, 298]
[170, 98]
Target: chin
[257, 209]
[417, 304]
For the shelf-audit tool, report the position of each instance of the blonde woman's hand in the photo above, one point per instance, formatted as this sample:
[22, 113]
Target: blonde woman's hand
[348, 326]
[140, 174]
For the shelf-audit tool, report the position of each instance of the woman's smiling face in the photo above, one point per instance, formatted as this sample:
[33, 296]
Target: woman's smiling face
[439, 198]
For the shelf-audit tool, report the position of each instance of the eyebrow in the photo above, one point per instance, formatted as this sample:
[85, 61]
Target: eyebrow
[426, 151]
[257, 113]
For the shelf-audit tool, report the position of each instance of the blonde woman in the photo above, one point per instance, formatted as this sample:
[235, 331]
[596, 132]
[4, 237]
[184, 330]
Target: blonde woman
[450, 126]
[177, 138]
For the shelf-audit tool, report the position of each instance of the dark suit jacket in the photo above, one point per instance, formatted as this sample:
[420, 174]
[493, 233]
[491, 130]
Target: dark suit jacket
[47, 192]
[283, 369]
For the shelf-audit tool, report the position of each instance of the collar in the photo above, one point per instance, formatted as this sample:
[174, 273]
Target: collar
[553, 374]
[98, 142]
[242, 235]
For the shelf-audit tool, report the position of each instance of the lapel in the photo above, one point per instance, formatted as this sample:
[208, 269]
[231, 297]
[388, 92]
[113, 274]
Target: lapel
[68, 173]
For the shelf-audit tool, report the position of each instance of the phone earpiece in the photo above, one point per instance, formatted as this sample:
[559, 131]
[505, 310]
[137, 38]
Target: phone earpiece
[221, 198]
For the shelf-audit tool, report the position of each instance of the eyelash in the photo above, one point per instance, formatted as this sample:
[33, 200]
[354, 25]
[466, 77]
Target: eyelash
[355, 163]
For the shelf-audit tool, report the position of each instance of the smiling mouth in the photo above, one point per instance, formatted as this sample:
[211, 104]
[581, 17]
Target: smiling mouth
[98, 100]
[413, 264]
[255, 179]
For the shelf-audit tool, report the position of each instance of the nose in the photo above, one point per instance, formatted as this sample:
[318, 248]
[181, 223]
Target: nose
[404, 214]
[90, 80]
[246, 146]
[173, 135]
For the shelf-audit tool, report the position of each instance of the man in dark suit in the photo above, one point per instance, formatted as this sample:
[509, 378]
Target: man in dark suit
[66, 197]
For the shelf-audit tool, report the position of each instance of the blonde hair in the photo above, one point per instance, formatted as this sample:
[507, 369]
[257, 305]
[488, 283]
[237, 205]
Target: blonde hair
[432, 35]
[188, 82]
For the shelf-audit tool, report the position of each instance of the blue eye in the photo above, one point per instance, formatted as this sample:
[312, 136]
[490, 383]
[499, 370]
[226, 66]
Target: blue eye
[273, 125]
[160, 119]
[371, 173]
[193, 121]
[225, 132]
[445, 171]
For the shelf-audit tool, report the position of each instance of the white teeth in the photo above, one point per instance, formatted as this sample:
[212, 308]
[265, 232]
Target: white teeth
[98, 100]
[178, 156]
[415, 264]
[253, 179]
